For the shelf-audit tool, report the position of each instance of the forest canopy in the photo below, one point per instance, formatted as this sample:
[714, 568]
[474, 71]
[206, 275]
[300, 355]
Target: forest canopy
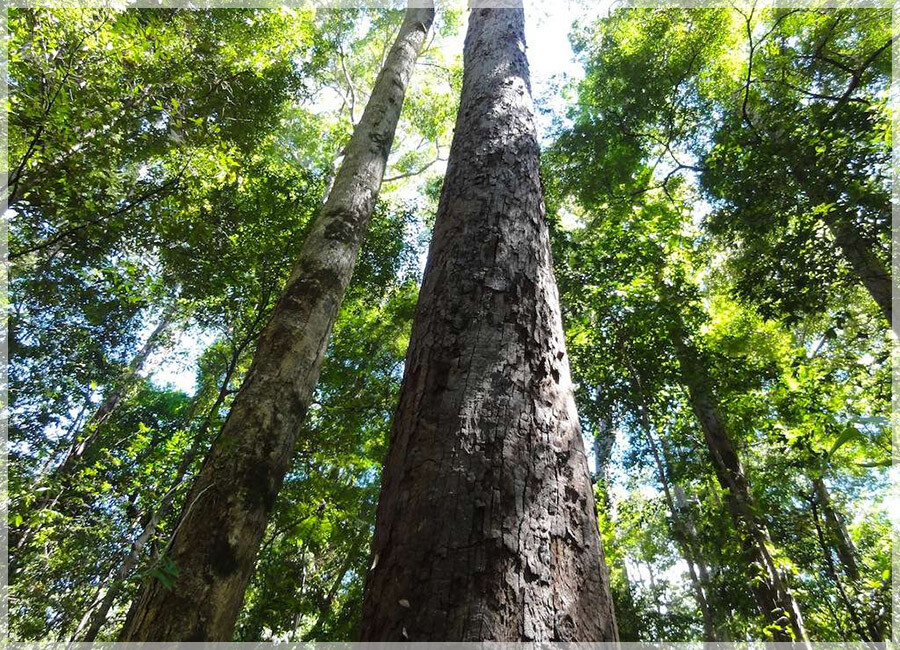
[279, 353]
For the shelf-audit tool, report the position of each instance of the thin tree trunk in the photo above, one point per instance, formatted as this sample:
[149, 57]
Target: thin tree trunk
[86, 440]
[324, 614]
[690, 529]
[152, 519]
[840, 538]
[97, 617]
[858, 253]
[775, 600]
[81, 447]
[831, 570]
[486, 527]
[603, 444]
[679, 529]
[224, 519]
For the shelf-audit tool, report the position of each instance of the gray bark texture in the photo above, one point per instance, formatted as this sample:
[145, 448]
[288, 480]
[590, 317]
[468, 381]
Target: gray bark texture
[680, 529]
[95, 618]
[859, 252]
[215, 544]
[88, 437]
[776, 602]
[486, 526]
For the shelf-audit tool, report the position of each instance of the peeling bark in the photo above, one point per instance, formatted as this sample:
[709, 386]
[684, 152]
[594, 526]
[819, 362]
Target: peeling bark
[486, 526]
[216, 541]
[776, 602]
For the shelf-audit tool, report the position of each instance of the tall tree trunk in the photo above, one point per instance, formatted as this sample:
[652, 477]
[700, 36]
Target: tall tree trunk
[604, 440]
[856, 250]
[95, 618]
[486, 528]
[832, 572]
[872, 273]
[96, 615]
[324, 606]
[215, 544]
[775, 600]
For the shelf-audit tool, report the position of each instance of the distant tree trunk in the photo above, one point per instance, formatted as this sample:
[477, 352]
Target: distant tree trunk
[832, 572]
[603, 443]
[690, 529]
[85, 441]
[486, 527]
[856, 250]
[858, 253]
[840, 538]
[686, 544]
[776, 602]
[224, 518]
[151, 519]
[124, 382]
[324, 605]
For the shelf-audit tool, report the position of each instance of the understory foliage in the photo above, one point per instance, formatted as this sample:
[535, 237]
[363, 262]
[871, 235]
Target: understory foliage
[720, 178]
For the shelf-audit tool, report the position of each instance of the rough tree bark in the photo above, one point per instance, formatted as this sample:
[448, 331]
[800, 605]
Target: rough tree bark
[486, 528]
[225, 514]
[776, 602]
